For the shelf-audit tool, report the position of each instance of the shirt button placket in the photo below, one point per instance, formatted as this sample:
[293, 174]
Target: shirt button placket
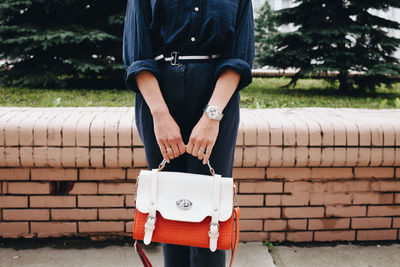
[196, 20]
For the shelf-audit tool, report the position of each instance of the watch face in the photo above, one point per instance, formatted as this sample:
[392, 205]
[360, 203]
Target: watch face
[213, 111]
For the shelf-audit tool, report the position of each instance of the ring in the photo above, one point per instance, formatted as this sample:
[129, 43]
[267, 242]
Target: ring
[169, 149]
[200, 150]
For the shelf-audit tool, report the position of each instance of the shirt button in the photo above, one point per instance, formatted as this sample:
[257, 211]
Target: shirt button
[192, 39]
[196, 8]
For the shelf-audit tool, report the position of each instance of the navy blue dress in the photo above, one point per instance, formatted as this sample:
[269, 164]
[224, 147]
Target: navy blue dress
[154, 27]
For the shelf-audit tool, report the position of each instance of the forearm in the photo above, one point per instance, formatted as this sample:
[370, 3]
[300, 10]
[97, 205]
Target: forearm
[150, 89]
[224, 88]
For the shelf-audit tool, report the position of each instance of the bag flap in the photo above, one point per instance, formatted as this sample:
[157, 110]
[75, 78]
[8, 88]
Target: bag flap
[182, 188]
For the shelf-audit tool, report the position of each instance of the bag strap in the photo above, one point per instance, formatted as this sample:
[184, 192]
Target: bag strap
[234, 244]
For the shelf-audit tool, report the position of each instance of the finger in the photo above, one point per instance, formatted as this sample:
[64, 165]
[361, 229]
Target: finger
[208, 153]
[175, 150]
[181, 147]
[170, 152]
[189, 147]
[195, 149]
[201, 152]
[164, 152]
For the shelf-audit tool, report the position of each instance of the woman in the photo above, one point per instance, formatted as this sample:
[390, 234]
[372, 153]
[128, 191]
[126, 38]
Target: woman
[180, 56]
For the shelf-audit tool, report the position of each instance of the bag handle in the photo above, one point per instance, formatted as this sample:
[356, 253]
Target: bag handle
[234, 245]
[163, 162]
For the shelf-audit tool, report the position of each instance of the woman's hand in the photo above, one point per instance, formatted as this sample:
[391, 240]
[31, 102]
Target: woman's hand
[168, 135]
[203, 137]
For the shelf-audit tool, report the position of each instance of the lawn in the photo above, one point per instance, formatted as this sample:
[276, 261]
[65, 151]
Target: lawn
[262, 93]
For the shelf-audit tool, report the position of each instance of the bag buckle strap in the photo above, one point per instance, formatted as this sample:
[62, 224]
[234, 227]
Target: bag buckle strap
[175, 57]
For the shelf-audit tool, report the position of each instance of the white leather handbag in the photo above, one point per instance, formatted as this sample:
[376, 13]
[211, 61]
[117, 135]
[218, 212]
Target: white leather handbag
[186, 209]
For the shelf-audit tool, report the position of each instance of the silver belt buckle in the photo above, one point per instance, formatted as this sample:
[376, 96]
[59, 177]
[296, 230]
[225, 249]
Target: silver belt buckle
[174, 59]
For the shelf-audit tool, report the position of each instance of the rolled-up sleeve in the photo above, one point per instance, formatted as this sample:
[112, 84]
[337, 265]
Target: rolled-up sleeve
[239, 54]
[137, 52]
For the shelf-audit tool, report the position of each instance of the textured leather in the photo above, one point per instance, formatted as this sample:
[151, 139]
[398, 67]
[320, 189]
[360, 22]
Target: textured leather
[173, 186]
[234, 240]
[185, 233]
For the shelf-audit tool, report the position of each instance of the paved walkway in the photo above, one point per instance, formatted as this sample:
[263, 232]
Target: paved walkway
[249, 254]
[252, 254]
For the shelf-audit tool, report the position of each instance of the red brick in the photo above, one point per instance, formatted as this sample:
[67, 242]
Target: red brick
[116, 188]
[253, 236]
[54, 174]
[129, 227]
[251, 225]
[297, 224]
[330, 199]
[100, 201]
[28, 188]
[52, 201]
[14, 173]
[323, 224]
[116, 214]
[338, 235]
[298, 187]
[357, 223]
[82, 188]
[104, 226]
[13, 229]
[346, 211]
[251, 200]
[331, 173]
[4, 188]
[273, 200]
[129, 201]
[396, 222]
[13, 201]
[276, 236]
[384, 210]
[26, 215]
[301, 236]
[73, 214]
[303, 212]
[385, 186]
[102, 174]
[289, 174]
[259, 213]
[45, 229]
[261, 187]
[139, 157]
[390, 234]
[248, 173]
[133, 173]
[275, 225]
[374, 172]
[372, 198]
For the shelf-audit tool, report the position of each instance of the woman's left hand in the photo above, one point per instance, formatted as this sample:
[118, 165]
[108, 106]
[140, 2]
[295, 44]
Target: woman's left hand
[203, 136]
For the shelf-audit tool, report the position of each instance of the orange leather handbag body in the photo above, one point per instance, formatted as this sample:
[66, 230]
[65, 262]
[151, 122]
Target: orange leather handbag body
[186, 209]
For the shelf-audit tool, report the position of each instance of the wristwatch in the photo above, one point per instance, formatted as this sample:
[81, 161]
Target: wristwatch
[213, 112]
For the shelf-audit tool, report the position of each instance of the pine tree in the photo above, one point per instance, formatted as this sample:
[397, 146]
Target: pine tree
[69, 43]
[265, 28]
[337, 35]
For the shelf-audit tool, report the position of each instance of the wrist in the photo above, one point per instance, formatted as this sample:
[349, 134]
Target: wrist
[159, 112]
[208, 119]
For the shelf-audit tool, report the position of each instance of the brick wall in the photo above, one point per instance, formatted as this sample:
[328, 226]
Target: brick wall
[304, 174]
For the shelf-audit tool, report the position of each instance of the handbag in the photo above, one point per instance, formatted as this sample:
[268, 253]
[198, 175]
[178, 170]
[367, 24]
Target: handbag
[185, 209]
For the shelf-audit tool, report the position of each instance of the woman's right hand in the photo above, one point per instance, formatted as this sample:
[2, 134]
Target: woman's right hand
[168, 135]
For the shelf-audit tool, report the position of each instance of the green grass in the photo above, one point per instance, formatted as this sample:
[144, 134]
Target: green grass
[262, 93]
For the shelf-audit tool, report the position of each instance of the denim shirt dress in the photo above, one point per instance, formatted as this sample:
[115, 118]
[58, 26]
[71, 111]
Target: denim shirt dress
[196, 27]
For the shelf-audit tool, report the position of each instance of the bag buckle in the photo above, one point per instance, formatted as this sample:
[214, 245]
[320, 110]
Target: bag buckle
[175, 57]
